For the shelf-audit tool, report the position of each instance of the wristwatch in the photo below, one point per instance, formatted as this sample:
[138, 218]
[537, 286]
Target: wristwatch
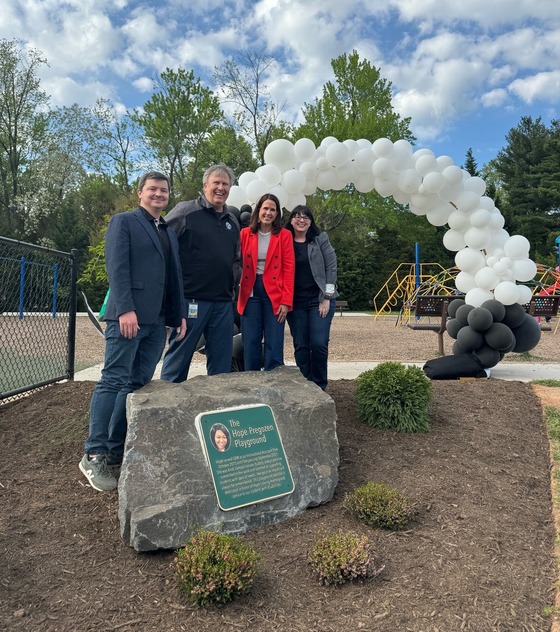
[329, 296]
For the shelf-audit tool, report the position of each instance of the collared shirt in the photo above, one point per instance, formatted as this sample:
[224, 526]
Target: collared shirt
[161, 226]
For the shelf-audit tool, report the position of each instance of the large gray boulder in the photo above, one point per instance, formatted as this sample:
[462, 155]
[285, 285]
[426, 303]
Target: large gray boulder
[165, 487]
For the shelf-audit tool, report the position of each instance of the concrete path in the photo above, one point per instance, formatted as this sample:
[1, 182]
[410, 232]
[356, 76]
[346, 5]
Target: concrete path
[518, 371]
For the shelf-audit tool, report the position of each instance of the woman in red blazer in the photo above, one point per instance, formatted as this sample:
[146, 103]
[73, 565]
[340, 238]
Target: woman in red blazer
[267, 285]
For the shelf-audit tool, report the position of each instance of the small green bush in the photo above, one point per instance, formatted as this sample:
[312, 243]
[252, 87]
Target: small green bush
[215, 568]
[379, 505]
[394, 396]
[336, 558]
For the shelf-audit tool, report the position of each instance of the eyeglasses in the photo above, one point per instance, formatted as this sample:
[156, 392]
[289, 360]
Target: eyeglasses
[301, 218]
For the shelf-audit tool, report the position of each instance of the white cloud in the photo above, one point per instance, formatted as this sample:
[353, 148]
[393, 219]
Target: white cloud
[494, 98]
[143, 84]
[544, 86]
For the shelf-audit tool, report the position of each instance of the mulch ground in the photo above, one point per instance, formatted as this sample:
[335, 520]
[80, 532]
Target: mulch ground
[478, 555]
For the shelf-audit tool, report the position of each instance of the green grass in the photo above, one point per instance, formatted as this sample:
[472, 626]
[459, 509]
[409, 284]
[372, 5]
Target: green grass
[550, 382]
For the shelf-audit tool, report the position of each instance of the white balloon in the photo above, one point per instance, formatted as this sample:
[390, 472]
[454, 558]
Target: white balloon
[337, 154]
[500, 267]
[444, 161]
[322, 163]
[408, 181]
[506, 292]
[454, 240]
[401, 197]
[255, 189]
[326, 179]
[364, 143]
[304, 149]
[237, 197]
[487, 203]
[424, 201]
[293, 181]
[310, 187]
[439, 215]
[382, 168]
[464, 282]
[497, 240]
[517, 247]
[480, 218]
[425, 164]
[383, 147]
[497, 220]
[353, 147]
[487, 278]
[475, 184]
[525, 294]
[458, 221]
[477, 296]
[523, 269]
[467, 201]
[269, 174]
[404, 146]
[490, 261]
[469, 260]
[364, 182]
[280, 153]
[422, 152]
[346, 173]
[452, 174]
[386, 186]
[282, 195]
[247, 177]
[364, 160]
[329, 140]
[433, 182]
[309, 170]
[477, 238]
[297, 199]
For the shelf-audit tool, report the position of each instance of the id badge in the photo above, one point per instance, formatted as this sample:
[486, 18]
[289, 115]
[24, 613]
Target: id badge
[193, 310]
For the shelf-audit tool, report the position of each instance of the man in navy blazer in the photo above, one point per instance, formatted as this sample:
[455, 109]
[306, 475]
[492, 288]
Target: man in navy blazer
[146, 295]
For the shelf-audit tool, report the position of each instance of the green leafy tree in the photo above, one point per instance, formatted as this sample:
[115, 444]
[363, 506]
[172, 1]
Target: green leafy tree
[177, 120]
[356, 105]
[528, 169]
[22, 126]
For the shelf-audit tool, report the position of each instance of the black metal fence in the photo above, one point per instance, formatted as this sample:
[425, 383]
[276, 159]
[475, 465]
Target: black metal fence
[37, 316]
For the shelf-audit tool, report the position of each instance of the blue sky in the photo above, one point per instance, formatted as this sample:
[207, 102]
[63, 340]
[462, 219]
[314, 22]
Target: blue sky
[465, 72]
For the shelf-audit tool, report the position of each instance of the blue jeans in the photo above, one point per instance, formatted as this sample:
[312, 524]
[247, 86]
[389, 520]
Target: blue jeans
[129, 365]
[214, 321]
[258, 321]
[311, 340]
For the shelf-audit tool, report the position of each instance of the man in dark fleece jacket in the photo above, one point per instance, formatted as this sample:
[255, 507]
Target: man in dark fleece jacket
[208, 236]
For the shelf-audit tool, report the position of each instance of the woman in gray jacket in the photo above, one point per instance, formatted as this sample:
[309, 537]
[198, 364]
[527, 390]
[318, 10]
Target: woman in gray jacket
[314, 295]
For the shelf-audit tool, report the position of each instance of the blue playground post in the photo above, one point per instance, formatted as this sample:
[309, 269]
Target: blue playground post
[557, 242]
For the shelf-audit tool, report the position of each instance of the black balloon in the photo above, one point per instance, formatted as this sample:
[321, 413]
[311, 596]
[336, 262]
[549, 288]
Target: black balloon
[462, 313]
[496, 308]
[527, 335]
[515, 315]
[457, 349]
[470, 339]
[488, 357]
[480, 319]
[453, 326]
[499, 337]
[246, 208]
[454, 306]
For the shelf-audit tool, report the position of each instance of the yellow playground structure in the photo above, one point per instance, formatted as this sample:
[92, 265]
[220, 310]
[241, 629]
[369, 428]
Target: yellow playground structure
[409, 280]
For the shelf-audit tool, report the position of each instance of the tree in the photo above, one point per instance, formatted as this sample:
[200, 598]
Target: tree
[528, 170]
[356, 105]
[177, 119]
[470, 163]
[22, 125]
[241, 79]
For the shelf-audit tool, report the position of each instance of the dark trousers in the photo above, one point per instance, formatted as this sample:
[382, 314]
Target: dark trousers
[258, 321]
[310, 333]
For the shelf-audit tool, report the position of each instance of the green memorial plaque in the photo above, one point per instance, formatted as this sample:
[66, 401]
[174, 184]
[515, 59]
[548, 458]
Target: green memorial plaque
[245, 454]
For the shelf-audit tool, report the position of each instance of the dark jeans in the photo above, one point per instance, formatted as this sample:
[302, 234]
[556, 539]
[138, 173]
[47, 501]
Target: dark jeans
[129, 365]
[311, 340]
[259, 320]
[214, 321]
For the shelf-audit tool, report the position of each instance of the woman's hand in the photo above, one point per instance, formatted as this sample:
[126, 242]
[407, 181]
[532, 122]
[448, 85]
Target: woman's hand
[324, 307]
[281, 313]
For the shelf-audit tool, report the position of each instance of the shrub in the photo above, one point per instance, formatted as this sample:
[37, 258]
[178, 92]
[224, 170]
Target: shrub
[336, 558]
[215, 568]
[379, 505]
[394, 396]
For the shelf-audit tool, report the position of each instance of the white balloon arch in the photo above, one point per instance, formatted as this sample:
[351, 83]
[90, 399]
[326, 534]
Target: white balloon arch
[492, 264]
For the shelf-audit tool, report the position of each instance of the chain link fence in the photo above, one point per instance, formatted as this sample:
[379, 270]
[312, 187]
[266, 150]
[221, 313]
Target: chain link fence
[37, 317]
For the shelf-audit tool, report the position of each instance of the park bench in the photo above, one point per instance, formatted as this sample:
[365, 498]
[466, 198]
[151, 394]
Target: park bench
[431, 306]
[341, 306]
[543, 306]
